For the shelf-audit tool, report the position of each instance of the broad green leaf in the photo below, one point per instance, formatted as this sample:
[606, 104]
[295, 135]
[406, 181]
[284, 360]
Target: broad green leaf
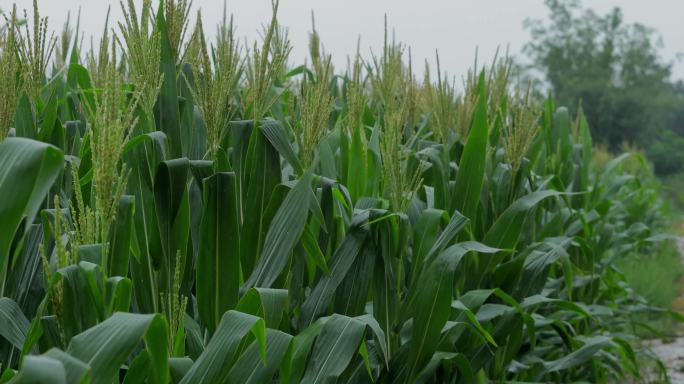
[29, 168]
[267, 303]
[83, 298]
[506, 230]
[119, 294]
[340, 262]
[179, 366]
[357, 165]
[334, 348]
[13, 324]
[219, 356]
[139, 369]
[107, 346]
[351, 295]
[425, 234]
[24, 284]
[301, 348]
[167, 113]
[120, 239]
[277, 136]
[432, 305]
[455, 226]
[173, 216]
[313, 250]
[218, 259]
[25, 120]
[471, 168]
[262, 170]
[146, 245]
[41, 369]
[76, 370]
[250, 369]
[579, 356]
[283, 234]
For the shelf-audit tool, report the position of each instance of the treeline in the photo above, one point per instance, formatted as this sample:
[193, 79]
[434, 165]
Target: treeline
[616, 71]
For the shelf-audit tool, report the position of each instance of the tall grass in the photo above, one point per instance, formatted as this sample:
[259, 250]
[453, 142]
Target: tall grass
[179, 212]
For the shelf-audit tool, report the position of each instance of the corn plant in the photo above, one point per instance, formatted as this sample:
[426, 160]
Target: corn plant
[177, 212]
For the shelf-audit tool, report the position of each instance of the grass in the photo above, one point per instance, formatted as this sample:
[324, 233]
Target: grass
[656, 276]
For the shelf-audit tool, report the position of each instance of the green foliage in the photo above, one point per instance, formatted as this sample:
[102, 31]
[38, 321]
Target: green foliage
[307, 226]
[667, 153]
[653, 275]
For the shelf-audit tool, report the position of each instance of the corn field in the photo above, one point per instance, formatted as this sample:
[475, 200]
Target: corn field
[181, 207]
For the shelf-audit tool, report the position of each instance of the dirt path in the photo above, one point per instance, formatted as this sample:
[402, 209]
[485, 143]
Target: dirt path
[672, 355]
[672, 352]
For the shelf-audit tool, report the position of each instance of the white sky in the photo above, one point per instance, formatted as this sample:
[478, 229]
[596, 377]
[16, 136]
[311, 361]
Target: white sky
[454, 27]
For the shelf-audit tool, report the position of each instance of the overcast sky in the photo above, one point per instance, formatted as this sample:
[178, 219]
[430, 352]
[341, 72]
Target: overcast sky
[454, 27]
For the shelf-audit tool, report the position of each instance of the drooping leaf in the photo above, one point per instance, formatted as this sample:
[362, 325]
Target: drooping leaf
[28, 170]
[13, 324]
[106, 346]
[250, 369]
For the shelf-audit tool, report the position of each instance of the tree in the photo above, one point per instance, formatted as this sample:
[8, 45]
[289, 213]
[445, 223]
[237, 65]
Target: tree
[615, 69]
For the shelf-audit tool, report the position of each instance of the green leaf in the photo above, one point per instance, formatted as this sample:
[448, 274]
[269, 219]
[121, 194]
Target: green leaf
[146, 242]
[262, 170]
[313, 250]
[219, 356]
[218, 258]
[352, 293]
[471, 168]
[267, 303]
[29, 168]
[167, 113]
[425, 233]
[506, 230]
[25, 282]
[250, 369]
[432, 305]
[454, 227]
[156, 137]
[340, 262]
[334, 348]
[119, 294]
[13, 324]
[76, 370]
[41, 370]
[283, 234]
[82, 296]
[173, 215]
[24, 120]
[120, 240]
[580, 356]
[49, 117]
[357, 167]
[179, 366]
[106, 346]
[277, 136]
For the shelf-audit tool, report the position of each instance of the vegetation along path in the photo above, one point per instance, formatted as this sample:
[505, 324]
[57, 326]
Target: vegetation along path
[671, 352]
[173, 211]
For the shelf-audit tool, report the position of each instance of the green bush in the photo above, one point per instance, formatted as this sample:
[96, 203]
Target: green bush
[667, 153]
